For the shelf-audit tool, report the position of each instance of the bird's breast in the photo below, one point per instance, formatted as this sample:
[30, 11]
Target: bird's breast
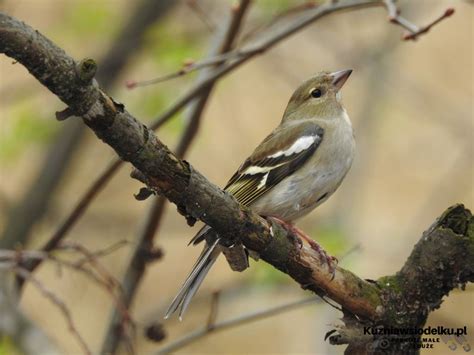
[316, 181]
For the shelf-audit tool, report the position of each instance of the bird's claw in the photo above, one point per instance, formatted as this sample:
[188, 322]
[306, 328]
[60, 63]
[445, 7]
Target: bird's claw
[299, 235]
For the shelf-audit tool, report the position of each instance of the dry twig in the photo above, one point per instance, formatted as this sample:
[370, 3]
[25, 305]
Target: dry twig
[25, 274]
[231, 323]
[414, 31]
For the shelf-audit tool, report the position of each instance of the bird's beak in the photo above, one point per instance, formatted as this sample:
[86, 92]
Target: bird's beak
[340, 77]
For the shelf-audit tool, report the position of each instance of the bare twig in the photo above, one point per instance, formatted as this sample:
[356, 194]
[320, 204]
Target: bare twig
[278, 17]
[189, 67]
[102, 252]
[25, 274]
[414, 31]
[422, 30]
[213, 310]
[11, 260]
[201, 13]
[74, 216]
[223, 325]
[251, 50]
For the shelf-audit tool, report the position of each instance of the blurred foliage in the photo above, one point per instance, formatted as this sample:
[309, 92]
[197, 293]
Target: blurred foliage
[171, 45]
[332, 238]
[25, 130]
[155, 102]
[7, 346]
[271, 7]
[265, 275]
[87, 18]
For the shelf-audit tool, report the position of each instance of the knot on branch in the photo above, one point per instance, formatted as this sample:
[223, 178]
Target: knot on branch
[86, 70]
[457, 218]
[155, 332]
[442, 260]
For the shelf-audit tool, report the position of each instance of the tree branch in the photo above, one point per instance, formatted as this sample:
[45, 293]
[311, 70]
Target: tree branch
[414, 31]
[235, 322]
[144, 248]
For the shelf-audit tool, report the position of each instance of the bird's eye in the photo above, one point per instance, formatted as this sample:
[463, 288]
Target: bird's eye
[316, 93]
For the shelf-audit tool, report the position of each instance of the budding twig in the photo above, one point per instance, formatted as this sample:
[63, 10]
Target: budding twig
[414, 31]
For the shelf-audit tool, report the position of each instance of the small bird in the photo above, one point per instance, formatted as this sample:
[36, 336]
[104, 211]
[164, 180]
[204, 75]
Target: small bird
[295, 169]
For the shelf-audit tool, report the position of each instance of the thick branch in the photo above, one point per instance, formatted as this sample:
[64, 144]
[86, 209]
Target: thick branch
[442, 260]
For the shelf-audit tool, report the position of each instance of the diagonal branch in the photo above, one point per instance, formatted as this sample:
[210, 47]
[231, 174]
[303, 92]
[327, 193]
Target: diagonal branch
[235, 322]
[144, 248]
[414, 31]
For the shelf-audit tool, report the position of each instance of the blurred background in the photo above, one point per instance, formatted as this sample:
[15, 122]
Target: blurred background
[411, 104]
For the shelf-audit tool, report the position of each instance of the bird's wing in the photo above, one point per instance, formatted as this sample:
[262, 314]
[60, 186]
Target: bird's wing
[283, 152]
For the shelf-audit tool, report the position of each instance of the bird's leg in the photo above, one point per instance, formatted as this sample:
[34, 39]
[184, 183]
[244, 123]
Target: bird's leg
[290, 227]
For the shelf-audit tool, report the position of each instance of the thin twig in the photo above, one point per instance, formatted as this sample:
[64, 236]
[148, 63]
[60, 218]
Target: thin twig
[25, 274]
[9, 259]
[422, 30]
[103, 252]
[223, 325]
[201, 13]
[278, 17]
[213, 311]
[414, 31]
[74, 216]
[189, 67]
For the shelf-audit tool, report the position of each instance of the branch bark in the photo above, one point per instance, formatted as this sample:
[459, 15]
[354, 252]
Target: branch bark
[389, 301]
[144, 248]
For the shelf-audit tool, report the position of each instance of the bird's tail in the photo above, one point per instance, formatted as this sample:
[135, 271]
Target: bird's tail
[198, 273]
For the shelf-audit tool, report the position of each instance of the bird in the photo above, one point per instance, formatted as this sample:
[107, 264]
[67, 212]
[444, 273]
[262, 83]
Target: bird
[296, 168]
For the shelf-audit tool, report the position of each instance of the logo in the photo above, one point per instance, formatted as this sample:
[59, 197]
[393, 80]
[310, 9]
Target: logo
[416, 338]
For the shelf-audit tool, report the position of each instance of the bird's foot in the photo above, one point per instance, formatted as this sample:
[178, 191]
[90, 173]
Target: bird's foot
[330, 260]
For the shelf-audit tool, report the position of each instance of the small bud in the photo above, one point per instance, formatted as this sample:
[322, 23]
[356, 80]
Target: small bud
[143, 194]
[64, 114]
[155, 332]
[130, 84]
[86, 70]
[188, 62]
[153, 254]
[449, 11]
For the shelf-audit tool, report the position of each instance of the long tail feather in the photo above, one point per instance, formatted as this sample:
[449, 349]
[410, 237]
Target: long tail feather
[193, 281]
[194, 286]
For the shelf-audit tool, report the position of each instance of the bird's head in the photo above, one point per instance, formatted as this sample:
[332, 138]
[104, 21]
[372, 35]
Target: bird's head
[317, 97]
